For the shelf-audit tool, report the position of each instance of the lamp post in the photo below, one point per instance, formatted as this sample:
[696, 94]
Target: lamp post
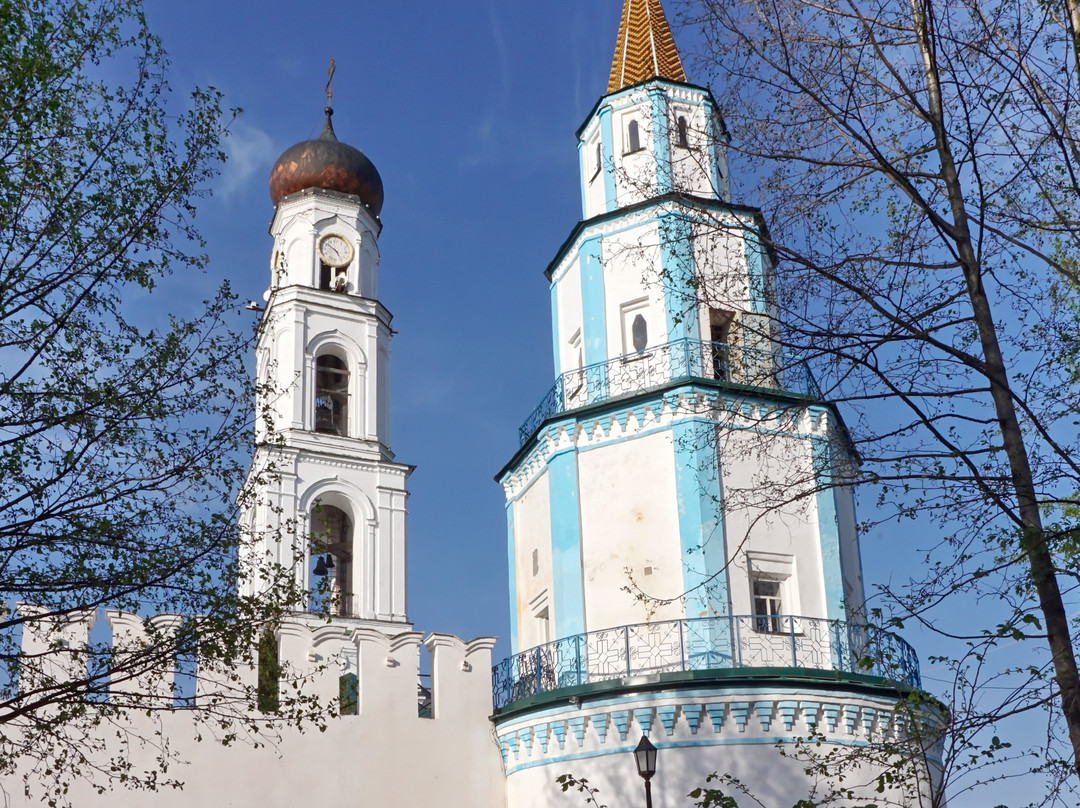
[645, 758]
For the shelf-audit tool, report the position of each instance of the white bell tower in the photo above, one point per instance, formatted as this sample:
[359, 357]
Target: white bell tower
[331, 501]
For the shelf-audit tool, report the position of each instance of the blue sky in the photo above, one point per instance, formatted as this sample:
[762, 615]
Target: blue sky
[468, 109]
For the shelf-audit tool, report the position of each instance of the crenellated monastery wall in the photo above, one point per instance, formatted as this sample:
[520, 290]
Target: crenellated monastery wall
[386, 755]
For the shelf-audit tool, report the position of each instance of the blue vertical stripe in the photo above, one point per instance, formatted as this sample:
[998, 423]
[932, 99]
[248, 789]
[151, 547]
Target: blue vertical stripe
[677, 272]
[661, 140]
[828, 530]
[593, 322]
[701, 529]
[607, 141]
[755, 269]
[568, 580]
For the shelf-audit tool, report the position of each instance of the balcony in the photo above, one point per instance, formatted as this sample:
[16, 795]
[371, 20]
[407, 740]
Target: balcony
[663, 364]
[705, 644]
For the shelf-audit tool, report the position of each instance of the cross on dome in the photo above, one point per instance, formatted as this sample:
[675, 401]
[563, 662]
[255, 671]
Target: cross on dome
[645, 48]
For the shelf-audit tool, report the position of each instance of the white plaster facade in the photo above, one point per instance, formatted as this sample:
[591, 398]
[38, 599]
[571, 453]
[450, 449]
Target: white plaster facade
[386, 754]
[300, 467]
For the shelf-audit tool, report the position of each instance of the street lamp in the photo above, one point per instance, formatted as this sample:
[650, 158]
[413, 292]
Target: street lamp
[645, 758]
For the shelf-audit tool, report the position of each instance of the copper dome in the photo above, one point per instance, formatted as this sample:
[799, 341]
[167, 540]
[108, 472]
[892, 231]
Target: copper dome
[330, 164]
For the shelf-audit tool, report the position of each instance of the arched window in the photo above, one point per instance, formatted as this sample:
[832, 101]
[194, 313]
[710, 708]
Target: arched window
[633, 137]
[331, 395]
[269, 673]
[332, 554]
[682, 135]
[349, 694]
[326, 276]
[639, 331]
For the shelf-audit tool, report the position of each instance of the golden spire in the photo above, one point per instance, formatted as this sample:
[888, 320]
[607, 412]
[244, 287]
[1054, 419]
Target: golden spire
[645, 49]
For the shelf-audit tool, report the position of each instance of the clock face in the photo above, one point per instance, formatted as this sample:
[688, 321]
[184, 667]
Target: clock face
[335, 251]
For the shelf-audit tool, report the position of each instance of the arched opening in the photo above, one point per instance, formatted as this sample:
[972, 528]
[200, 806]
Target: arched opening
[326, 276]
[721, 328]
[331, 395]
[682, 134]
[269, 666]
[331, 557]
[348, 694]
[633, 137]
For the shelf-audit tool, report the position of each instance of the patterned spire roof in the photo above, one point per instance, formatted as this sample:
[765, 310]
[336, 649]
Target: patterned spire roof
[645, 48]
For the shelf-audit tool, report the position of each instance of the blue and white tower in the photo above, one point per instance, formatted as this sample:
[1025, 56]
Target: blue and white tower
[683, 555]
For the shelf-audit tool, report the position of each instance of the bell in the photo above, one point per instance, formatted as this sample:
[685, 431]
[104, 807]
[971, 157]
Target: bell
[329, 562]
[320, 566]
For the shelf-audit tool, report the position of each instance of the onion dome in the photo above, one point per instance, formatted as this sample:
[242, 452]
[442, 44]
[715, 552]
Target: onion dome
[329, 164]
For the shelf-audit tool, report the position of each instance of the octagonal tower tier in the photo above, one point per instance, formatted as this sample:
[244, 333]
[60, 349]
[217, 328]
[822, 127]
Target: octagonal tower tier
[683, 555]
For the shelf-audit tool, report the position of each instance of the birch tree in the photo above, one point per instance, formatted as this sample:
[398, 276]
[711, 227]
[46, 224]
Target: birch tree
[124, 431]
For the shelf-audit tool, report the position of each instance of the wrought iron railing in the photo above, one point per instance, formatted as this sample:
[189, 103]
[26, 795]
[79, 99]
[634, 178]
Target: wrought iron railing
[707, 643]
[660, 365]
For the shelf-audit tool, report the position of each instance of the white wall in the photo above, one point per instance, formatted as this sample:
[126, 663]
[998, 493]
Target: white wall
[386, 756]
[632, 278]
[770, 509]
[568, 297]
[532, 533]
[630, 523]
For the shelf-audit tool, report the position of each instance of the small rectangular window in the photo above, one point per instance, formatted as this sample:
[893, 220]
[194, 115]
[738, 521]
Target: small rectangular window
[544, 619]
[768, 606]
[348, 694]
[535, 562]
[721, 324]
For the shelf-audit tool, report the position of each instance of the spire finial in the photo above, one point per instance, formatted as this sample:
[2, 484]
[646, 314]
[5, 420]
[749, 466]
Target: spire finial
[328, 127]
[330, 82]
[645, 48]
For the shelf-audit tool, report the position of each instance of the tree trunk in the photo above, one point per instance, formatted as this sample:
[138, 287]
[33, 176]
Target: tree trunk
[1033, 539]
[1072, 19]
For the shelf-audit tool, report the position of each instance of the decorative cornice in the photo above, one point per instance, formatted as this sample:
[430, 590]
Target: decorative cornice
[685, 202]
[767, 706]
[620, 420]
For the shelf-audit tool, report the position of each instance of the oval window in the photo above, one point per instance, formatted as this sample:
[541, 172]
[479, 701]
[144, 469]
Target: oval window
[640, 332]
